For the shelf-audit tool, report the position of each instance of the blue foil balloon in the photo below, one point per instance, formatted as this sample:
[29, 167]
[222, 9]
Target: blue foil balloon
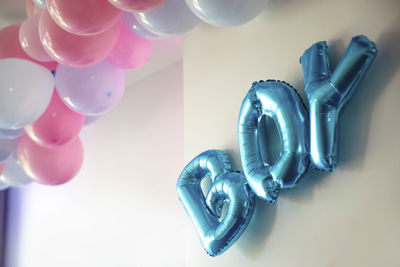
[280, 102]
[216, 235]
[329, 92]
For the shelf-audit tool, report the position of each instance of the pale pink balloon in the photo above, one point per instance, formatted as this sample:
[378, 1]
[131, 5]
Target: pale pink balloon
[83, 17]
[2, 165]
[57, 126]
[50, 165]
[130, 51]
[31, 8]
[136, 5]
[10, 47]
[30, 39]
[75, 50]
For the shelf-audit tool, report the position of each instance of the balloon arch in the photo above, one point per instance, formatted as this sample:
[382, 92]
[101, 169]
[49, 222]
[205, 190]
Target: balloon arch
[72, 56]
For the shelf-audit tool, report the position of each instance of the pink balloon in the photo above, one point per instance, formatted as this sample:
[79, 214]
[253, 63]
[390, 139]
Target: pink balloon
[136, 5]
[75, 50]
[30, 39]
[130, 51]
[10, 47]
[57, 126]
[83, 17]
[2, 165]
[50, 165]
[31, 8]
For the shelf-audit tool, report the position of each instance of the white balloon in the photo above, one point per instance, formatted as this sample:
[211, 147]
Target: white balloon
[170, 18]
[25, 92]
[13, 174]
[7, 147]
[226, 13]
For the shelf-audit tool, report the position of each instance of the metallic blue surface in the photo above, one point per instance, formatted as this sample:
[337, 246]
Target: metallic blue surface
[328, 93]
[216, 235]
[280, 102]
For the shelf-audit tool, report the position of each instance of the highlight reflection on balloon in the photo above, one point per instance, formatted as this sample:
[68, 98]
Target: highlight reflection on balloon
[74, 50]
[216, 235]
[10, 47]
[136, 5]
[280, 102]
[40, 3]
[134, 26]
[328, 93]
[88, 17]
[30, 39]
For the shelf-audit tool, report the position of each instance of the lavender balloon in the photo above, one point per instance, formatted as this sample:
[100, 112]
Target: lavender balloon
[170, 18]
[90, 90]
[134, 26]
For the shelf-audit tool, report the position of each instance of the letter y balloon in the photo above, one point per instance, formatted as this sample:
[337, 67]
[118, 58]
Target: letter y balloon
[328, 93]
[308, 138]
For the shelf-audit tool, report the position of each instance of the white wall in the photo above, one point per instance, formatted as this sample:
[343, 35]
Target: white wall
[122, 209]
[347, 218]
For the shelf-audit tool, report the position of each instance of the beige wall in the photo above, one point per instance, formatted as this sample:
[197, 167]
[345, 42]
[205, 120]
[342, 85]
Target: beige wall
[347, 218]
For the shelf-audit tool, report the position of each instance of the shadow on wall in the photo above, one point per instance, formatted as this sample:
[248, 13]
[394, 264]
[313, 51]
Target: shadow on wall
[255, 237]
[356, 119]
[354, 133]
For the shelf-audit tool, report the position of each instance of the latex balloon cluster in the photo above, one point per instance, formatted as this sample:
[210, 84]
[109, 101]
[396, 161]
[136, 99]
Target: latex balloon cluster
[308, 138]
[87, 44]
